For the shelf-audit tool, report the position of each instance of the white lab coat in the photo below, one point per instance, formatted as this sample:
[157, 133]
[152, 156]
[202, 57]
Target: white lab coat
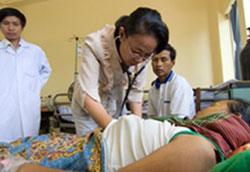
[22, 75]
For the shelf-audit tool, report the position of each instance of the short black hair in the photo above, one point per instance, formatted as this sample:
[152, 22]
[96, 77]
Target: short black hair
[145, 21]
[172, 51]
[5, 12]
[239, 106]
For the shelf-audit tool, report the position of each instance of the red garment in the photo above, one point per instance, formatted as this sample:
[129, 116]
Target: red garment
[228, 131]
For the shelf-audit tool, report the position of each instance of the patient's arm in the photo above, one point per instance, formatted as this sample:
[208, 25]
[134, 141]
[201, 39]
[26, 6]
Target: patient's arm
[184, 153]
[97, 111]
[36, 168]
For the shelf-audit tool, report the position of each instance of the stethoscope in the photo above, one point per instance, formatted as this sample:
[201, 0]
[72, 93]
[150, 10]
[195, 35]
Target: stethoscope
[131, 82]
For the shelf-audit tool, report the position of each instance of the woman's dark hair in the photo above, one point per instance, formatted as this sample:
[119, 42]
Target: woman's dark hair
[239, 106]
[145, 21]
[5, 12]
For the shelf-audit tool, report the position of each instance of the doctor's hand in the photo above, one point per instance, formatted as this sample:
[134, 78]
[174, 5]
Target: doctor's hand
[97, 111]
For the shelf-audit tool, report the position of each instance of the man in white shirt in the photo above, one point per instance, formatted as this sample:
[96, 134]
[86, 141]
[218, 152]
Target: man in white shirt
[24, 71]
[170, 93]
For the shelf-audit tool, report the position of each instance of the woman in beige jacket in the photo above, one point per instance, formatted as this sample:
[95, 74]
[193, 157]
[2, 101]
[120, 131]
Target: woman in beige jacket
[110, 56]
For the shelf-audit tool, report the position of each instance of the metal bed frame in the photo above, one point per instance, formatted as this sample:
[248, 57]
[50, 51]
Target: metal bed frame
[57, 122]
[223, 93]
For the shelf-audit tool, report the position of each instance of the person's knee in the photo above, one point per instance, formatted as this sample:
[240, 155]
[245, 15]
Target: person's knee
[206, 152]
[196, 152]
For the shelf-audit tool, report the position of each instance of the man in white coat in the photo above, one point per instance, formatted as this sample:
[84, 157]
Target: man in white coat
[24, 70]
[170, 93]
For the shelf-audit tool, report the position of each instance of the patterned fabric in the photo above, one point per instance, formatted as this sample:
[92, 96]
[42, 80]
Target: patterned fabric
[60, 151]
[228, 131]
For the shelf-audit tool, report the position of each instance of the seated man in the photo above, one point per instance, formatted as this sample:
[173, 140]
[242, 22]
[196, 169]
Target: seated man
[133, 144]
[170, 93]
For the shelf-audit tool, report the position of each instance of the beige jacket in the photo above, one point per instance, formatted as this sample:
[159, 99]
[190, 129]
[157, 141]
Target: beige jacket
[101, 75]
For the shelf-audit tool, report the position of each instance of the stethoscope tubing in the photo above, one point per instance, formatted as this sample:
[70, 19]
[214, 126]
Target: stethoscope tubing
[131, 84]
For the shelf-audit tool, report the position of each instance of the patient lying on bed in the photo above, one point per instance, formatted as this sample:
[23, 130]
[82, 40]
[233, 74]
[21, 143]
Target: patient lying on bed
[134, 144]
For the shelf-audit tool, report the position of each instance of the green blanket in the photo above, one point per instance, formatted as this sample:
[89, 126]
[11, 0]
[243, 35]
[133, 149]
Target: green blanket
[237, 163]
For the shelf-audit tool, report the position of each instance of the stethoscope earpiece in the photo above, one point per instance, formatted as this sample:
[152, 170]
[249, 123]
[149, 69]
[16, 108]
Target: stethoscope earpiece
[117, 38]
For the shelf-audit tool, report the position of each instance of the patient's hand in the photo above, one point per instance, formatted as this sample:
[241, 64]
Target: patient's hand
[36, 168]
[218, 107]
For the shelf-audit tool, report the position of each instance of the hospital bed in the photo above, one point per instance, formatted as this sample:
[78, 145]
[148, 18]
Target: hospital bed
[62, 100]
[232, 89]
[60, 150]
[62, 120]
[203, 97]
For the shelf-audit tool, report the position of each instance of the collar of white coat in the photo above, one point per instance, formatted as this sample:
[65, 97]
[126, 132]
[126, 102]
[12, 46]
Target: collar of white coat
[5, 43]
[169, 78]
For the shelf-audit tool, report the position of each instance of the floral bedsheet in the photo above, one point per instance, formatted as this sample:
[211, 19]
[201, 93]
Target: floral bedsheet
[60, 151]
